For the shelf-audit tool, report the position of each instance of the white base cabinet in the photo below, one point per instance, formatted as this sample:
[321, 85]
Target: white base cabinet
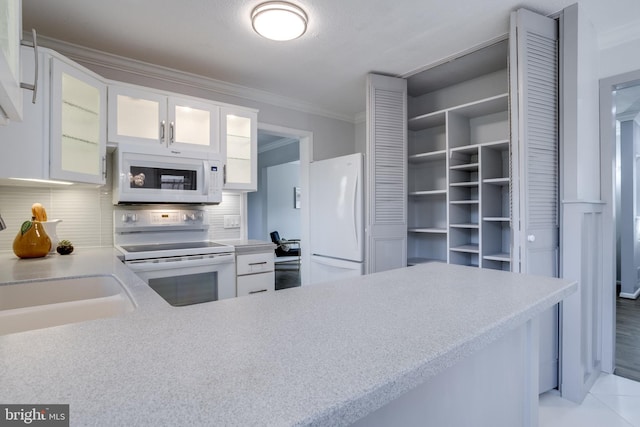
[255, 283]
[255, 273]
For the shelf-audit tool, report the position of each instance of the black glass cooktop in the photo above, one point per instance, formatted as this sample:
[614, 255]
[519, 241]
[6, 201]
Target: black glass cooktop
[170, 246]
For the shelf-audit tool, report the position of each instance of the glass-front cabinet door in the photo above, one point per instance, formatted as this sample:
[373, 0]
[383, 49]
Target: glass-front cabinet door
[137, 116]
[239, 132]
[146, 117]
[10, 32]
[78, 124]
[193, 125]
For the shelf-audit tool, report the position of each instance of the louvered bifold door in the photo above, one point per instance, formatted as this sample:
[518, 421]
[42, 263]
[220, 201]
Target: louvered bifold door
[534, 118]
[386, 173]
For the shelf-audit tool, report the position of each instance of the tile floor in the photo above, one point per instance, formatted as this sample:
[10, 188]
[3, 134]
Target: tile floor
[612, 402]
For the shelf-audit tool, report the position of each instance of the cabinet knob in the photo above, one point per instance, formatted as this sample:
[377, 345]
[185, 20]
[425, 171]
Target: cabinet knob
[531, 238]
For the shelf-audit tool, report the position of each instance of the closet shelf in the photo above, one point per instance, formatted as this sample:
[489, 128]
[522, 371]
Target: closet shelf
[464, 184]
[501, 144]
[430, 156]
[465, 149]
[428, 193]
[496, 181]
[472, 249]
[463, 225]
[465, 167]
[432, 230]
[483, 107]
[464, 202]
[416, 261]
[496, 219]
[502, 256]
[425, 121]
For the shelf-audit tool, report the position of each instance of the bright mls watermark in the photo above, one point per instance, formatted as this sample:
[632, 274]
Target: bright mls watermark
[34, 415]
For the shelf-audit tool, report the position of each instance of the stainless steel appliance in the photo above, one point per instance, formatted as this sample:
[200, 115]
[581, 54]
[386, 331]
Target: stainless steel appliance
[152, 175]
[169, 249]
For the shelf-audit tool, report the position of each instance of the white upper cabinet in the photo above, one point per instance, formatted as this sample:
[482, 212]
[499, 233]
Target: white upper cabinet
[78, 124]
[10, 30]
[63, 134]
[239, 132]
[139, 116]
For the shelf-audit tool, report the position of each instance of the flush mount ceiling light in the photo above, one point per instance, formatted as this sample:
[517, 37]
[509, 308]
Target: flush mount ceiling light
[279, 20]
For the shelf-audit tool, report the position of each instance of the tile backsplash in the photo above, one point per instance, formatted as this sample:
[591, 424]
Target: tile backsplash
[87, 214]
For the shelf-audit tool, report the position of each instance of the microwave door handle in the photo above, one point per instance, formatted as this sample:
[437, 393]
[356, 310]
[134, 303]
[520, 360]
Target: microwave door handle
[207, 176]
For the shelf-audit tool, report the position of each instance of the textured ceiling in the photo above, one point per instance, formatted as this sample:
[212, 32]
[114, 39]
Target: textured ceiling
[325, 68]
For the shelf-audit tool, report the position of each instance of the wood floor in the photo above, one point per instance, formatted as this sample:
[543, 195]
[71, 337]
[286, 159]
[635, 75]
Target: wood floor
[287, 279]
[628, 338]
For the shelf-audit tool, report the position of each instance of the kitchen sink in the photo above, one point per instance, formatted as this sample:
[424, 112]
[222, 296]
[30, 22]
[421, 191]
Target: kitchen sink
[52, 302]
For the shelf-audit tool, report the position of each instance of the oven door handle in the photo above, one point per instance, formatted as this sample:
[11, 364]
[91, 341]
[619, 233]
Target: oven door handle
[180, 262]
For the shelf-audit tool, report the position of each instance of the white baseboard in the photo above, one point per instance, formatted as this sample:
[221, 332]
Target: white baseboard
[627, 295]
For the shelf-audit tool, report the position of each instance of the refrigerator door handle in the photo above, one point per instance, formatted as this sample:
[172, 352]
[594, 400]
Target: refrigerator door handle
[353, 209]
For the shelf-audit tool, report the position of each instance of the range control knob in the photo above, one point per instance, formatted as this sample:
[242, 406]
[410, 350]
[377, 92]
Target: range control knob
[129, 217]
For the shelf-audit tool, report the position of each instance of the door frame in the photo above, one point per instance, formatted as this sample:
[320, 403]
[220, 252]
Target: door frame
[306, 157]
[607, 194]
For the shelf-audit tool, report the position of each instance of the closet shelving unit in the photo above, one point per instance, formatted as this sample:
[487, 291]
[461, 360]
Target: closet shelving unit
[459, 183]
[427, 201]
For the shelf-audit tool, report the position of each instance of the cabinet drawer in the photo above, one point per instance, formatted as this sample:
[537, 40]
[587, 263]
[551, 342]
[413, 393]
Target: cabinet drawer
[255, 283]
[254, 263]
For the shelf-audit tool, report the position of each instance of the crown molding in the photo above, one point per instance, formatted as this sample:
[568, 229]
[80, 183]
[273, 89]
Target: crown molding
[90, 56]
[276, 144]
[629, 116]
[619, 35]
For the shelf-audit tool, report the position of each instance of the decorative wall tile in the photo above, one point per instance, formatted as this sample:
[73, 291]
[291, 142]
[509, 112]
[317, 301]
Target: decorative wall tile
[79, 210]
[87, 214]
[15, 208]
[231, 205]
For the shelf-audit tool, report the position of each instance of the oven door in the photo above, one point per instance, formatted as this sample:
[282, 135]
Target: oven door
[187, 280]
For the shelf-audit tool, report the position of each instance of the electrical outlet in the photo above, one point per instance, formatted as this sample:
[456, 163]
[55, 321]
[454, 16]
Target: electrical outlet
[232, 221]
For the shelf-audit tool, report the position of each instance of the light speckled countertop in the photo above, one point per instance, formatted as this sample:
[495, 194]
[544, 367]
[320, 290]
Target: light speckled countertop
[249, 246]
[317, 355]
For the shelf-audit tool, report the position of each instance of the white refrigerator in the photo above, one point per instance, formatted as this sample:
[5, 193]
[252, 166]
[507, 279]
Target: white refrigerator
[336, 218]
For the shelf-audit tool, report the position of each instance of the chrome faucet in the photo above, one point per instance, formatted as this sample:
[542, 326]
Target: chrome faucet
[2, 224]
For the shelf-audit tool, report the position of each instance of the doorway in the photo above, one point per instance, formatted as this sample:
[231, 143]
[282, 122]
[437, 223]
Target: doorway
[281, 202]
[620, 141]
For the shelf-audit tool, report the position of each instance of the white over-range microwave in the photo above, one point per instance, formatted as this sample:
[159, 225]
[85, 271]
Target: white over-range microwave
[145, 175]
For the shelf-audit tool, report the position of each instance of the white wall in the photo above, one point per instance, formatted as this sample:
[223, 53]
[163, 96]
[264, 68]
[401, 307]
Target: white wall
[257, 201]
[361, 137]
[281, 214]
[619, 58]
[581, 163]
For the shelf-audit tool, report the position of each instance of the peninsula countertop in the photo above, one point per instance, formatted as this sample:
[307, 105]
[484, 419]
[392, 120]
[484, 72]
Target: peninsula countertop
[316, 355]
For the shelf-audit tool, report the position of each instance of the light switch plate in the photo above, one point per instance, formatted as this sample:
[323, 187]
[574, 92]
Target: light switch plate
[232, 221]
